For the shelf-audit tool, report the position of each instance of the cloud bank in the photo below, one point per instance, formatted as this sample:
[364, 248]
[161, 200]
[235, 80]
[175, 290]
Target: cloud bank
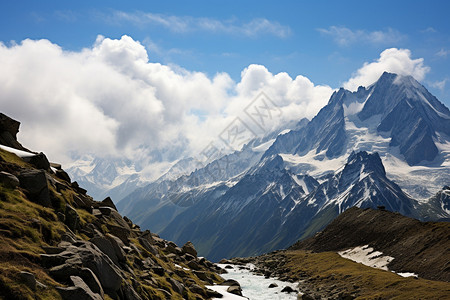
[109, 100]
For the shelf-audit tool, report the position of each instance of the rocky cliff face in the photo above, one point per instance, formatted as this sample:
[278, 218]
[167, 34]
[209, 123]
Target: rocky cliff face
[57, 242]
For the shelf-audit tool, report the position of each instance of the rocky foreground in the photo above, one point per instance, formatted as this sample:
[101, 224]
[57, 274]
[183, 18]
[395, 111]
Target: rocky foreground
[56, 242]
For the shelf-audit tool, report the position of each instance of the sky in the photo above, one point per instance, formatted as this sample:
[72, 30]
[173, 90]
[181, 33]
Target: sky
[157, 80]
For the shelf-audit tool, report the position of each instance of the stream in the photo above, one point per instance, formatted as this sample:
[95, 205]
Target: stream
[255, 287]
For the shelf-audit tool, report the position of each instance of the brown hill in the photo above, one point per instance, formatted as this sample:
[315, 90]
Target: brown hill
[419, 247]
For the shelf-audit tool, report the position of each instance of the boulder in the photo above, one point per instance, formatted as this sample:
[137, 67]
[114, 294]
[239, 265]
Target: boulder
[177, 286]
[196, 289]
[102, 266]
[230, 282]
[61, 174]
[8, 132]
[72, 218]
[189, 248]
[210, 294]
[194, 265]
[9, 180]
[28, 279]
[234, 289]
[273, 285]
[80, 291]
[108, 202]
[35, 183]
[40, 161]
[117, 246]
[77, 187]
[64, 271]
[147, 246]
[106, 247]
[91, 280]
[287, 289]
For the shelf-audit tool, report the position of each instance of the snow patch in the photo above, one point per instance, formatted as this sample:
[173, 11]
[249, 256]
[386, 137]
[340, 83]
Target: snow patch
[264, 146]
[367, 256]
[17, 152]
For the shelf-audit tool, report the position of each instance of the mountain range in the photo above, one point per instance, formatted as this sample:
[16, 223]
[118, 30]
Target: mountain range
[383, 145]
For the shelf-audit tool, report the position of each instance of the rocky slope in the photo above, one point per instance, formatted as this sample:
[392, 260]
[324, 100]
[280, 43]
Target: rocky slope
[56, 242]
[422, 248]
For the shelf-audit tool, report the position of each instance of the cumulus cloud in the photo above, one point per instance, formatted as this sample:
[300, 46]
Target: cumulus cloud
[109, 100]
[344, 36]
[183, 24]
[391, 60]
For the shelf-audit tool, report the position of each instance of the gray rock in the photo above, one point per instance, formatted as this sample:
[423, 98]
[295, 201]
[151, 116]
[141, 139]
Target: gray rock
[8, 132]
[72, 217]
[79, 282]
[195, 288]
[28, 279]
[189, 248]
[91, 280]
[108, 202]
[64, 271]
[105, 210]
[273, 285]
[234, 289]
[147, 246]
[106, 247]
[78, 292]
[35, 183]
[9, 180]
[61, 174]
[118, 247]
[194, 265]
[177, 286]
[40, 161]
[102, 266]
[121, 232]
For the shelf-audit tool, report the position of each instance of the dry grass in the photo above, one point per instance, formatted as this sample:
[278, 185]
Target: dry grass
[328, 268]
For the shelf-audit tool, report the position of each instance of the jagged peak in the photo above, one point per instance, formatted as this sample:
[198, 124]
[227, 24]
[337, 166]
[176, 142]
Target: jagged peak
[371, 162]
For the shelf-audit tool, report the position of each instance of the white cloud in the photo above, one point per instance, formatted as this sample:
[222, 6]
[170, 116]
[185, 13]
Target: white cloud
[443, 53]
[344, 36]
[439, 84]
[391, 60]
[183, 24]
[110, 100]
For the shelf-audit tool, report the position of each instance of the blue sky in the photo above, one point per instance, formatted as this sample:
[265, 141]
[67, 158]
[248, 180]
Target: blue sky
[167, 77]
[323, 40]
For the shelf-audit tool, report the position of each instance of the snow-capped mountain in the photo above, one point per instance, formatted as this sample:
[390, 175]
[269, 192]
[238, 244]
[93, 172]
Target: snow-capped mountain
[384, 145]
[396, 117]
[270, 208]
[115, 178]
[158, 203]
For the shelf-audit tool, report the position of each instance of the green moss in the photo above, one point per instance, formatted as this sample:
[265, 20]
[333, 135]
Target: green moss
[14, 159]
[85, 217]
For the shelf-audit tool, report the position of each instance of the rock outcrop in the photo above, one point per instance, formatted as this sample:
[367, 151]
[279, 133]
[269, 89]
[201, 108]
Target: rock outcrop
[58, 242]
